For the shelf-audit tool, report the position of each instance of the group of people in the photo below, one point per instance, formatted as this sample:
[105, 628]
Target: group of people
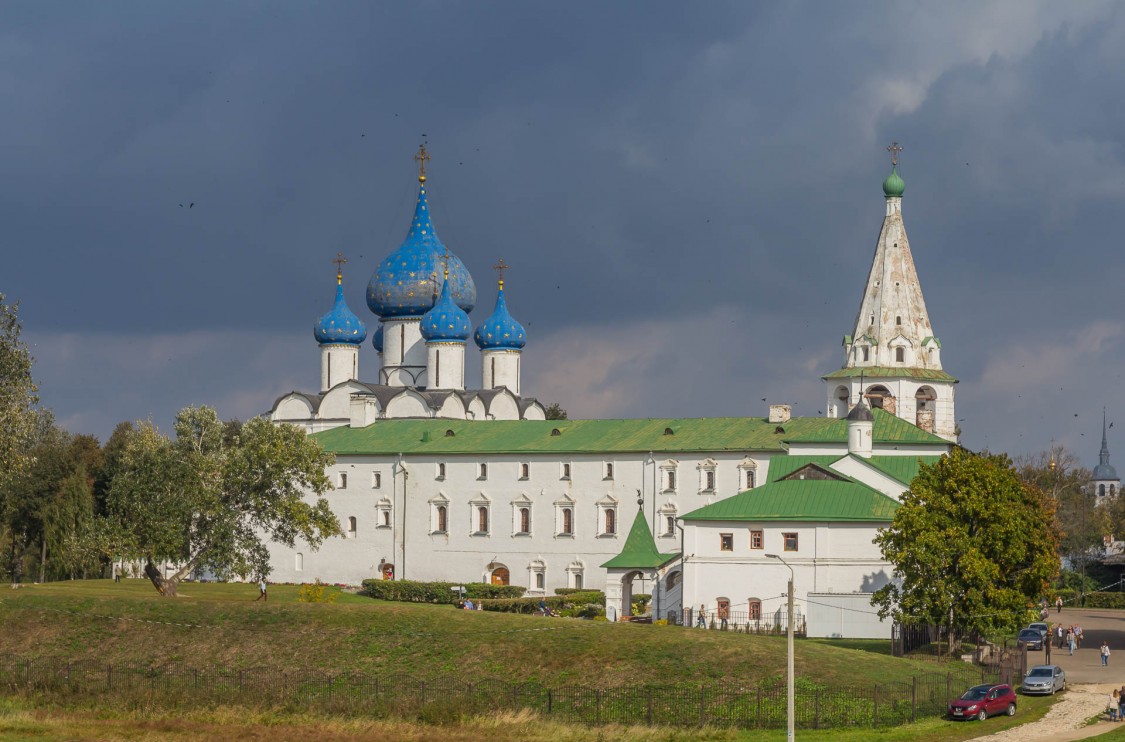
[1115, 705]
[468, 605]
[1066, 637]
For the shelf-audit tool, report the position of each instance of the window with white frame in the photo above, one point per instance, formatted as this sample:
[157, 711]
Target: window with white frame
[668, 475]
[748, 473]
[564, 517]
[521, 516]
[537, 575]
[564, 470]
[439, 514]
[575, 573]
[667, 518]
[481, 516]
[376, 480]
[383, 512]
[607, 517]
[299, 562]
[707, 469]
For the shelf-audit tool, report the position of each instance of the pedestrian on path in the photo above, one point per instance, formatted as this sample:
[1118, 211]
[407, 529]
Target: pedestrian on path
[1121, 704]
[1114, 705]
[1047, 650]
[1070, 641]
[1059, 635]
[262, 591]
[1058, 603]
[1105, 655]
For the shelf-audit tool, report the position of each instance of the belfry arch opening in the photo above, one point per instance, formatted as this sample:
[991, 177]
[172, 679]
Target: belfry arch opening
[925, 400]
[840, 400]
[880, 397]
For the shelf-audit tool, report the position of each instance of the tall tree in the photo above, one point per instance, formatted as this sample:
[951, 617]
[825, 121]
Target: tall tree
[972, 544]
[555, 412]
[1081, 524]
[17, 394]
[211, 497]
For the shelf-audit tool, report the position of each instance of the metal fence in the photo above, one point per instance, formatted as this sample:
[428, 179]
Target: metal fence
[731, 704]
[773, 623]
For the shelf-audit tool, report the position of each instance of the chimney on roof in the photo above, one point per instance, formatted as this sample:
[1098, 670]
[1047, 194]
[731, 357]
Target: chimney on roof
[780, 413]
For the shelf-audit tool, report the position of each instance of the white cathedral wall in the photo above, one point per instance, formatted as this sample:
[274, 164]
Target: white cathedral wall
[831, 557]
[403, 346]
[294, 408]
[461, 554]
[338, 363]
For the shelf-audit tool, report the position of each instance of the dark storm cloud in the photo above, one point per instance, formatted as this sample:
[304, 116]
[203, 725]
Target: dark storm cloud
[689, 194]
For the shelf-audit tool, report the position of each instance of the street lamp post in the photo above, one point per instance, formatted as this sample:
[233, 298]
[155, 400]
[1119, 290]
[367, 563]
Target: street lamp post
[789, 670]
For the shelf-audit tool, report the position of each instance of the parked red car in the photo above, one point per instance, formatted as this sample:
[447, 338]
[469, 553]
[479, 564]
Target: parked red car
[983, 701]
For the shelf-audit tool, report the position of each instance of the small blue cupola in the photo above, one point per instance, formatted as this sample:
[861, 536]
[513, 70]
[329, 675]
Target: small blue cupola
[500, 331]
[445, 322]
[340, 325]
[405, 283]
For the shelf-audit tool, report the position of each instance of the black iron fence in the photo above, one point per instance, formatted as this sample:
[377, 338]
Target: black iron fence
[772, 623]
[731, 704]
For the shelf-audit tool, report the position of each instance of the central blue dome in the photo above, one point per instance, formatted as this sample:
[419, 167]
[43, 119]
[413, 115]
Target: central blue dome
[404, 284]
[446, 322]
[340, 325]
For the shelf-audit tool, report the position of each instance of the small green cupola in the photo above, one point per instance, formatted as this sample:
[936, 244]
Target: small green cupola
[893, 186]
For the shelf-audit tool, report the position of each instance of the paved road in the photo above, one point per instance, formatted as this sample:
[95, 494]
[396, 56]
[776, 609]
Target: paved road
[1086, 664]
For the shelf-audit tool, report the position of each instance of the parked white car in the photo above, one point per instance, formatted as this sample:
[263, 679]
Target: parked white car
[1045, 679]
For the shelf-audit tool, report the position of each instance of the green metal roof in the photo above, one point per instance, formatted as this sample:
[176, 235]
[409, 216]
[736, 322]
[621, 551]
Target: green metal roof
[900, 468]
[640, 550]
[887, 428]
[803, 500]
[429, 436]
[882, 372]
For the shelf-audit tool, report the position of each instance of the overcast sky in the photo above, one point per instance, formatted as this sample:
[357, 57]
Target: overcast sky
[689, 195]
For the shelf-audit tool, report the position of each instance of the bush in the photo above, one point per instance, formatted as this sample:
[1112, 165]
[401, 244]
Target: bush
[585, 604]
[410, 591]
[316, 593]
[1093, 600]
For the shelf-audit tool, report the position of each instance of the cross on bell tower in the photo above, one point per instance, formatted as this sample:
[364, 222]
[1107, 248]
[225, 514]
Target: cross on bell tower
[422, 158]
[500, 268]
[894, 148]
[339, 261]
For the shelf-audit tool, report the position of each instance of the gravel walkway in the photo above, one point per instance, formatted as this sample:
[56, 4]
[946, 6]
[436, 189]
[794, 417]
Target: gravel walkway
[1064, 722]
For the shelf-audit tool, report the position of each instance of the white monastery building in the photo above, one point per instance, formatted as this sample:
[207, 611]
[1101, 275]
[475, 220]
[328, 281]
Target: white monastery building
[434, 481]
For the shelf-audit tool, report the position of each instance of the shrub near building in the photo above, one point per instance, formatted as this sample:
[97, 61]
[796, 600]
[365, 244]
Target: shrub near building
[409, 591]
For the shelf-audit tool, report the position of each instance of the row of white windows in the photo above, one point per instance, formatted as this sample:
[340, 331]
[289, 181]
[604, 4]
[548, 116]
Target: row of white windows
[481, 520]
[900, 354]
[706, 481]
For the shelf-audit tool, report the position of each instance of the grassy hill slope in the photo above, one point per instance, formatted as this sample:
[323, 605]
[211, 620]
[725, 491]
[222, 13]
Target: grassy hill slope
[222, 624]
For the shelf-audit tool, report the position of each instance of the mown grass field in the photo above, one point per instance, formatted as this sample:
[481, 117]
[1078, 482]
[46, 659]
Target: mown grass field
[221, 624]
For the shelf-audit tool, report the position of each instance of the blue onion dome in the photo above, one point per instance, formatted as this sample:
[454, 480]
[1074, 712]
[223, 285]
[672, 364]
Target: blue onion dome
[500, 331]
[405, 283]
[377, 340]
[340, 325]
[446, 322]
[893, 186]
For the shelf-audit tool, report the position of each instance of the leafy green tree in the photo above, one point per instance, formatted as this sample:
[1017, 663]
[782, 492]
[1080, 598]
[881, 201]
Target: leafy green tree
[17, 395]
[972, 544]
[555, 412]
[1081, 524]
[208, 498]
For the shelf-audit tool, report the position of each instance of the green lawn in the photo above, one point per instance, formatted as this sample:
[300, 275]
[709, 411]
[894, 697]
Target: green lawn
[101, 620]
[23, 720]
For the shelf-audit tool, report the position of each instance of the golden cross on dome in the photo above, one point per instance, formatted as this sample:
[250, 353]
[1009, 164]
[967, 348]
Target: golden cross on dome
[421, 158]
[339, 261]
[894, 148]
[500, 268]
[445, 263]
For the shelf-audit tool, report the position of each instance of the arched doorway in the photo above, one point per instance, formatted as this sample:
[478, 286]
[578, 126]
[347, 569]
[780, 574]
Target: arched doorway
[500, 575]
[627, 591]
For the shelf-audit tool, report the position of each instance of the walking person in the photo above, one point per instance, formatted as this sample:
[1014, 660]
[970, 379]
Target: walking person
[1047, 650]
[1070, 640]
[1114, 706]
[1121, 704]
[1058, 603]
[702, 622]
[1105, 655]
[262, 595]
[1059, 635]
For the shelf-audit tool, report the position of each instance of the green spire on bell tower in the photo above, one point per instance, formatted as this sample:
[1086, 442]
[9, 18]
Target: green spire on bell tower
[893, 186]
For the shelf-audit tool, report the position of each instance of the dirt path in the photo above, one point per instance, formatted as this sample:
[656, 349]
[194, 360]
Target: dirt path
[1066, 720]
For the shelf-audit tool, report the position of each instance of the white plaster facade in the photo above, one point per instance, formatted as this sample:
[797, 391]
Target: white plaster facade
[414, 488]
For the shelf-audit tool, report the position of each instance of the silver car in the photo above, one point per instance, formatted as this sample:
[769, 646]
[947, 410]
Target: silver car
[1044, 679]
